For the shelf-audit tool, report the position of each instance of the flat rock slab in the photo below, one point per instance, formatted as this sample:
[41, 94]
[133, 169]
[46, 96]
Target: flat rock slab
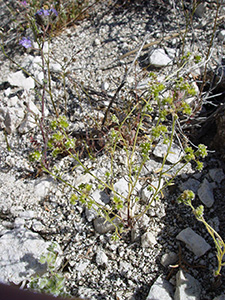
[187, 287]
[205, 193]
[161, 290]
[193, 241]
[20, 253]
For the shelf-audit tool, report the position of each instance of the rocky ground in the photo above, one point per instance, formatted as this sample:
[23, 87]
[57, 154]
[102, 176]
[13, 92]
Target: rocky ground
[35, 210]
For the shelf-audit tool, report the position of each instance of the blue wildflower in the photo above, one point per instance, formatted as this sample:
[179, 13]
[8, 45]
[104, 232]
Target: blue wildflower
[25, 42]
[44, 12]
[24, 3]
[54, 11]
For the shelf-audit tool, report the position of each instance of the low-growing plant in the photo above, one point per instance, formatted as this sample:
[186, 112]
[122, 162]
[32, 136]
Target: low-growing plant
[186, 198]
[163, 106]
[53, 281]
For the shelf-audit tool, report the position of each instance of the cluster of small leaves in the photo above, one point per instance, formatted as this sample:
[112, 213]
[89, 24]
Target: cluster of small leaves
[59, 142]
[52, 282]
[186, 198]
[190, 155]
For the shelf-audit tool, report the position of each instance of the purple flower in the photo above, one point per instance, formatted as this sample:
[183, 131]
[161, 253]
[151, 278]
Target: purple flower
[44, 12]
[25, 42]
[54, 11]
[24, 3]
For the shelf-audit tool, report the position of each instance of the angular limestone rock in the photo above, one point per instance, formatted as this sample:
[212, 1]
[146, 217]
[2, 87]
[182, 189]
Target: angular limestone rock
[193, 241]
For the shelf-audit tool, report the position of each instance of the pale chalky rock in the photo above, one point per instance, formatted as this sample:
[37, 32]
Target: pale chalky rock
[101, 259]
[147, 193]
[19, 79]
[205, 193]
[42, 186]
[102, 226]
[187, 287]
[161, 290]
[102, 199]
[158, 58]
[11, 118]
[193, 241]
[221, 35]
[148, 240]
[20, 252]
[169, 259]
[175, 152]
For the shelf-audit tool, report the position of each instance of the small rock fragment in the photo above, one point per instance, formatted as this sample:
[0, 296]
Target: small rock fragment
[169, 259]
[101, 259]
[18, 79]
[161, 290]
[158, 58]
[193, 241]
[148, 240]
[174, 155]
[205, 193]
[187, 287]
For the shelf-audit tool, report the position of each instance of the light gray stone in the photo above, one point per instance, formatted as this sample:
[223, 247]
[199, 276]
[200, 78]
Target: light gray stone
[147, 193]
[187, 287]
[18, 79]
[217, 175]
[148, 240]
[205, 193]
[221, 35]
[193, 241]
[174, 155]
[42, 186]
[169, 259]
[101, 198]
[200, 10]
[102, 226]
[158, 58]
[191, 184]
[13, 118]
[161, 290]
[20, 253]
[101, 258]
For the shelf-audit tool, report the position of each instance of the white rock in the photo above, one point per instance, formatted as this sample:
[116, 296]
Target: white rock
[101, 258]
[18, 79]
[148, 240]
[19, 256]
[101, 198]
[175, 152]
[147, 193]
[13, 118]
[158, 58]
[187, 287]
[42, 186]
[205, 193]
[102, 226]
[13, 101]
[169, 259]
[193, 241]
[221, 35]
[121, 187]
[161, 290]
[82, 265]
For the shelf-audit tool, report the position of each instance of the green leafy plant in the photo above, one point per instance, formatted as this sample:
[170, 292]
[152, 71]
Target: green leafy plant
[52, 282]
[186, 198]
